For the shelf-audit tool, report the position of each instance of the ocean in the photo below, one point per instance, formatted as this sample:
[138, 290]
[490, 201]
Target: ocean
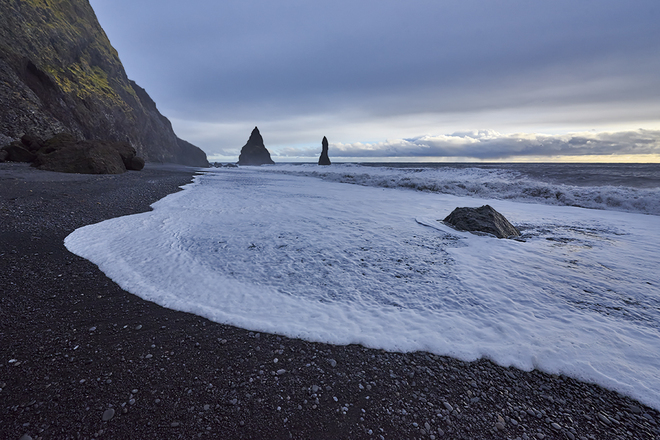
[625, 187]
[358, 254]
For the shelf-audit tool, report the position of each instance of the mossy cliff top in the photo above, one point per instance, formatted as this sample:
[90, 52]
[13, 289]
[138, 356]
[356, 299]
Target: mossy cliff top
[59, 72]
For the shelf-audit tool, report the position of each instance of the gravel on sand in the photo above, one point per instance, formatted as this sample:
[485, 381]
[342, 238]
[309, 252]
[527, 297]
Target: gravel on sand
[81, 358]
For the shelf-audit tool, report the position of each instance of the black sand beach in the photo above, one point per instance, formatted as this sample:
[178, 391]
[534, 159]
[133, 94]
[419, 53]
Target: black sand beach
[81, 358]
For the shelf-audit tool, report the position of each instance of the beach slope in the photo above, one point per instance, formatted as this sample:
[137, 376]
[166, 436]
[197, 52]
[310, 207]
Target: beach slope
[81, 358]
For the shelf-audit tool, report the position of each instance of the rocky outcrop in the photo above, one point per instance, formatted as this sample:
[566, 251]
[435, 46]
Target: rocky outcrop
[324, 159]
[59, 73]
[64, 153]
[484, 220]
[16, 152]
[255, 152]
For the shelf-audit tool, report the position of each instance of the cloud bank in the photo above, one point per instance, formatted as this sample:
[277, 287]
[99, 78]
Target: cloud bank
[491, 145]
[384, 69]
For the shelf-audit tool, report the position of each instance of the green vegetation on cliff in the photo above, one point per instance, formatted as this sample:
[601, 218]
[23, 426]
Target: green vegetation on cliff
[59, 72]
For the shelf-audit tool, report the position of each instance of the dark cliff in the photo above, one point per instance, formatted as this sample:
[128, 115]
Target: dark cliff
[59, 73]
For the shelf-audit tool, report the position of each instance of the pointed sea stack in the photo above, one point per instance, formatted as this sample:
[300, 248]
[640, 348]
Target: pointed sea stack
[324, 159]
[255, 152]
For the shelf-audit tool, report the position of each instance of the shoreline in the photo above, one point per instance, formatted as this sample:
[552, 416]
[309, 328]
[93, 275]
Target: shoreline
[83, 349]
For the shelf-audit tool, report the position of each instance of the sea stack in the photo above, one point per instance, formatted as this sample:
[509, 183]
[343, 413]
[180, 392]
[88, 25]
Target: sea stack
[324, 159]
[255, 152]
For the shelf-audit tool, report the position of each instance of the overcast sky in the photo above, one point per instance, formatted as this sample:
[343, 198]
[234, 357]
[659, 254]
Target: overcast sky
[416, 79]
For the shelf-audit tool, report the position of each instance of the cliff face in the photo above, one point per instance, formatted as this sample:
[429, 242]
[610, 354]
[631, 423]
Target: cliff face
[59, 73]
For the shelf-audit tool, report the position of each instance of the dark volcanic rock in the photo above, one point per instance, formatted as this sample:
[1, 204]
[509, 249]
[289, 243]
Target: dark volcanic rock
[324, 159]
[16, 152]
[59, 73]
[135, 164]
[63, 153]
[32, 143]
[484, 219]
[255, 152]
[190, 155]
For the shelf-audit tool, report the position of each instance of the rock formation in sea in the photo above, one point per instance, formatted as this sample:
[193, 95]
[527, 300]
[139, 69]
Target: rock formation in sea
[484, 219]
[60, 74]
[324, 159]
[255, 152]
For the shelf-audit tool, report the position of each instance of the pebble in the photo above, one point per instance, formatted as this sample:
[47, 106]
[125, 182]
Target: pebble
[333, 363]
[108, 414]
[604, 419]
[555, 426]
[174, 424]
[25, 437]
[448, 406]
[281, 372]
[149, 356]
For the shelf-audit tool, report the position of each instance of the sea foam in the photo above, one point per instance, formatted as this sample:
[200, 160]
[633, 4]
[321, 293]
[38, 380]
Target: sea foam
[340, 263]
[497, 183]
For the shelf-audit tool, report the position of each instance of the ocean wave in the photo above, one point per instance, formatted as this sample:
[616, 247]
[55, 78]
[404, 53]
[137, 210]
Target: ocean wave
[496, 183]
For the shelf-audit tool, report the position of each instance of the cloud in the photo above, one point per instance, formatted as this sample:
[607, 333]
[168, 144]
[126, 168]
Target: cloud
[491, 145]
[384, 69]
[234, 60]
